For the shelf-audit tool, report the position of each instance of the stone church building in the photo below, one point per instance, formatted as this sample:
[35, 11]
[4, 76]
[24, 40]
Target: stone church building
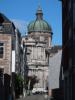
[37, 42]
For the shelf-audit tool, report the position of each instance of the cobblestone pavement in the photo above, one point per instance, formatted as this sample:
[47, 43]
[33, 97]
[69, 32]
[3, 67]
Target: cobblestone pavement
[34, 97]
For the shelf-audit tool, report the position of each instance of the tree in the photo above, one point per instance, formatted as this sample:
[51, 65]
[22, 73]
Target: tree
[34, 80]
[18, 85]
[30, 82]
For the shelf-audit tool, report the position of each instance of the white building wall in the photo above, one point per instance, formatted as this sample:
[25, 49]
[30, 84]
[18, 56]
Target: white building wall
[54, 70]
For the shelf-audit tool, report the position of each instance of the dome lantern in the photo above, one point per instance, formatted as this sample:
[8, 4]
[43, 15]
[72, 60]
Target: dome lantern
[39, 14]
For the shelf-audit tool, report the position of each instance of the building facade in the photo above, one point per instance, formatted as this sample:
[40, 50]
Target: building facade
[54, 67]
[37, 41]
[6, 33]
[68, 42]
[11, 55]
[55, 78]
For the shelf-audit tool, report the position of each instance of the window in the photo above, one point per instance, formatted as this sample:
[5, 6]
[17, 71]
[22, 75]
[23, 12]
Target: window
[1, 26]
[1, 50]
[1, 73]
[13, 44]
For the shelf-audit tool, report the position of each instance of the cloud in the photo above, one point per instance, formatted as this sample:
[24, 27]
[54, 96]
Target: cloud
[21, 25]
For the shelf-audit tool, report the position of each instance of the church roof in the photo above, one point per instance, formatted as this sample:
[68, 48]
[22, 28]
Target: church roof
[4, 19]
[6, 28]
[39, 25]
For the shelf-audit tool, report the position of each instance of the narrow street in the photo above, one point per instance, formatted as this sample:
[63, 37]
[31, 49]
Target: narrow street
[37, 49]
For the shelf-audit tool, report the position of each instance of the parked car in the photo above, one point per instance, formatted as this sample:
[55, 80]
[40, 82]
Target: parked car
[39, 91]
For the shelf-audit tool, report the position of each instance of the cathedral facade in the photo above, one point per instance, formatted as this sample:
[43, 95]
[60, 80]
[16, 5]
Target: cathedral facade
[37, 42]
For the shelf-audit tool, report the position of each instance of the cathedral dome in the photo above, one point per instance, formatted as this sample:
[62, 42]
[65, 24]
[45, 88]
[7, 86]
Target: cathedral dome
[39, 25]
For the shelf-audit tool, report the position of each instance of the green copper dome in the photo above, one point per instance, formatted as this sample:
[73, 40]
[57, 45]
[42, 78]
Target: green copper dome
[39, 25]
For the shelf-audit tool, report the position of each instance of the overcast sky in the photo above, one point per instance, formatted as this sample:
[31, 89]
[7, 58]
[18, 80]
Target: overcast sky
[21, 12]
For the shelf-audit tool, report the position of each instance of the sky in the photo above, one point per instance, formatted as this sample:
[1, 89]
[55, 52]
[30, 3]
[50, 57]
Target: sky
[22, 12]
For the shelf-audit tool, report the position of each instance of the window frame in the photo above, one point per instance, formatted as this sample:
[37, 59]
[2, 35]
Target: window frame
[2, 46]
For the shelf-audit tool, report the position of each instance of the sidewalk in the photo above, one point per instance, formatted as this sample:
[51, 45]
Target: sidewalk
[21, 98]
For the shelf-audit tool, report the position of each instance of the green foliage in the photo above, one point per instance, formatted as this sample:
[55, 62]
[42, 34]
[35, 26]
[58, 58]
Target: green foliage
[18, 84]
[19, 78]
